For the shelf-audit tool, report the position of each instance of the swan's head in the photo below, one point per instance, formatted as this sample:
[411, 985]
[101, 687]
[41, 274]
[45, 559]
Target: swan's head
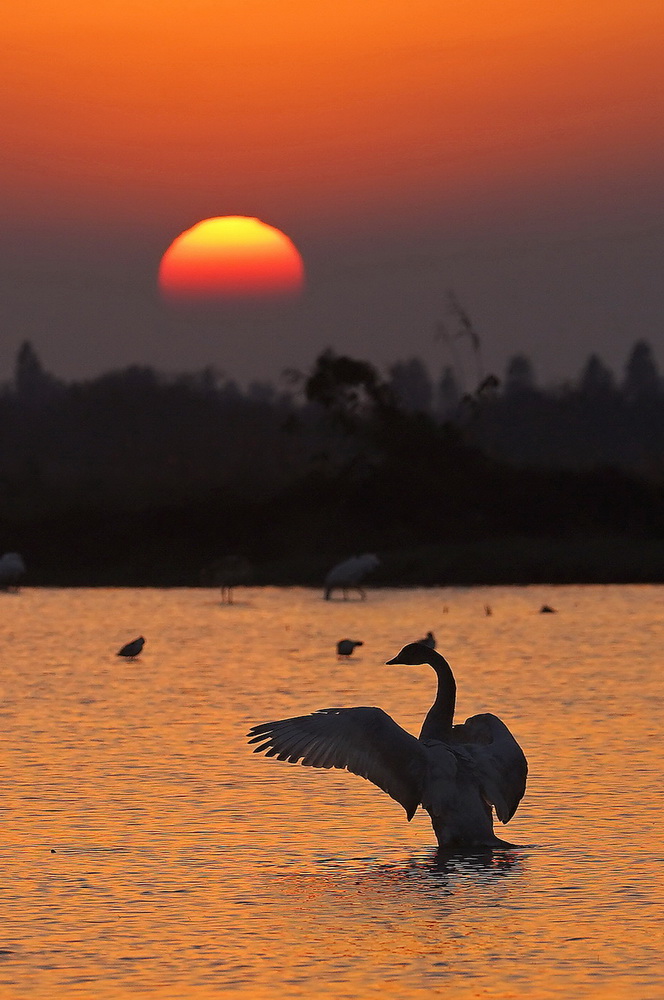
[413, 654]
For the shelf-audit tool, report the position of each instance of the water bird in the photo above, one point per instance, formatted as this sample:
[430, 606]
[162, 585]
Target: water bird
[428, 640]
[347, 575]
[227, 573]
[12, 568]
[458, 773]
[345, 647]
[131, 649]
[546, 609]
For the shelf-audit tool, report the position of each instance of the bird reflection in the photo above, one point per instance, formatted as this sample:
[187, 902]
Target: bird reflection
[433, 877]
[447, 870]
[489, 862]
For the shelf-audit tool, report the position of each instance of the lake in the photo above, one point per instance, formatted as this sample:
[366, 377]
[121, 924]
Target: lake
[146, 850]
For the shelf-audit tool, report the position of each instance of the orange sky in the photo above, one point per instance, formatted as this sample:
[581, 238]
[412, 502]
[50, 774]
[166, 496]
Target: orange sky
[301, 110]
[510, 149]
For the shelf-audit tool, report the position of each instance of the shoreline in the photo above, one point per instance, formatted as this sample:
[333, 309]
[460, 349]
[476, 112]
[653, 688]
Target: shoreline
[518, 561]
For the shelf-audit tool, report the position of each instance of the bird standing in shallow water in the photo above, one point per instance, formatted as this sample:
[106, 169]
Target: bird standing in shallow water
[457, 773]
[345, 647]
[348, 575]
[131, 650]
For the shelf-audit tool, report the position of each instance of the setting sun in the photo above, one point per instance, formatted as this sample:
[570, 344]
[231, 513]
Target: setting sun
[230, 258]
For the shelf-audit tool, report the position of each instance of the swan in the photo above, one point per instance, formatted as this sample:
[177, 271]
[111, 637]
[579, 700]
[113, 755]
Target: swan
[131, 649]
[458, 774]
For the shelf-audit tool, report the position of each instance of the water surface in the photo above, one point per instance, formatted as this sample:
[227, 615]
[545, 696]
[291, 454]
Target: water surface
[146, 850]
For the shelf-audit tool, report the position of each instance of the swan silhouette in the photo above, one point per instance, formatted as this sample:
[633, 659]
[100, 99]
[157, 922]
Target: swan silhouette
[459, 774]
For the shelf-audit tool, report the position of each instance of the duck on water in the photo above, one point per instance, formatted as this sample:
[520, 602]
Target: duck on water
[459, 774]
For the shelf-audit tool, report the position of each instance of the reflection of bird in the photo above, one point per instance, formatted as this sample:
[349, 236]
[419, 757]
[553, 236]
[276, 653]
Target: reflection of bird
[347, 575]
[487, 609]
[428, 640]
[132, 649]
[345, 647]
[12, 568]
[457, 773]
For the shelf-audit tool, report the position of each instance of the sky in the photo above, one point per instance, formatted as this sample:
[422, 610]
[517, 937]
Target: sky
[510, 151]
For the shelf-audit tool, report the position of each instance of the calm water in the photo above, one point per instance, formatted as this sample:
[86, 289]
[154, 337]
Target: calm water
[145, 850]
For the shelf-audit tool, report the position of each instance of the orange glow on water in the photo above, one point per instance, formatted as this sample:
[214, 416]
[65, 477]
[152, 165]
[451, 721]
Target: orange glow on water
[229, 258]
[151, 853]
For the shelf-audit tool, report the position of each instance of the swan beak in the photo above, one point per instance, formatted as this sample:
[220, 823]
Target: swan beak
[395, 659]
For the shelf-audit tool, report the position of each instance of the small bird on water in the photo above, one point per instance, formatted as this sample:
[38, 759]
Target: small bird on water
[345, 647]
[131, 650]
[428, 640]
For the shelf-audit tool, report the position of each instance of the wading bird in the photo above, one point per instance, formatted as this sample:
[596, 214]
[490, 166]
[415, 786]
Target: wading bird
[131, 650]
[345, 647]
[12, 568]
[347, 575]
[459, 774]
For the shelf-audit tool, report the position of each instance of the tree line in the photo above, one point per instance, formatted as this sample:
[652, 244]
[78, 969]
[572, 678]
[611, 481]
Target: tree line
[591, 421]
[138, 477]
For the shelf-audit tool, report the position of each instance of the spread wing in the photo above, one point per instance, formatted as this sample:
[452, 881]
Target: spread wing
[501, 765]
[365, 741]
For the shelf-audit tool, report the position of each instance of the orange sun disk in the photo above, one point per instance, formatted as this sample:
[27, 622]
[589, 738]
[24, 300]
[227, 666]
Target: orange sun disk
[230, 258]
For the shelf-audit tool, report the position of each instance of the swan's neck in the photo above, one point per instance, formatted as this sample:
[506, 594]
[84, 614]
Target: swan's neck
[438, 723]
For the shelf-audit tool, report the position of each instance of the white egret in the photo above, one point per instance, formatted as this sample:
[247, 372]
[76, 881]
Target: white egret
[347, 575]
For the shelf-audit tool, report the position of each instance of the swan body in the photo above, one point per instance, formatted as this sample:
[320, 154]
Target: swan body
[459, 774]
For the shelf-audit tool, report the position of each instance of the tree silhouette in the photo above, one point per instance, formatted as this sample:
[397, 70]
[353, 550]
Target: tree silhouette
[519, 375]
[641, 375]
[596, 381]
[346, 387]
[448, 394]
[411, 386]
[147, 477]
[32, 383]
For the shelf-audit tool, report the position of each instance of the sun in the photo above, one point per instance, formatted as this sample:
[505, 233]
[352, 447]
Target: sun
[230, 258]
